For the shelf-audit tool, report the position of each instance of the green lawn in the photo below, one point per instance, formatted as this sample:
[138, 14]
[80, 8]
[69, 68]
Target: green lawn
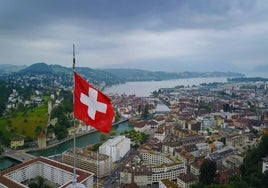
[3, 129]
[24, 123]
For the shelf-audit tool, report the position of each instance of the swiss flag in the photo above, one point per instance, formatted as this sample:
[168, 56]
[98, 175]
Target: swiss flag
[92, 106]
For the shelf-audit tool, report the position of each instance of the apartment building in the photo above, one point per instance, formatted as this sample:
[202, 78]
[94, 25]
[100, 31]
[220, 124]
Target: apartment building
[185, 180]
[55, 173]
[154, 167]
[99, 164]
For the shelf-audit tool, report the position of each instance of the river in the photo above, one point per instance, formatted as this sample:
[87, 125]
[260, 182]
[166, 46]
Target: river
[7, 162]
[82, 141]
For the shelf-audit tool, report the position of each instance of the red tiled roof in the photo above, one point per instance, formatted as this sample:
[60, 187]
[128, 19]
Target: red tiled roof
[198, 163]
[160, 118]
[9, 183]
[187, 177]
[139, 124]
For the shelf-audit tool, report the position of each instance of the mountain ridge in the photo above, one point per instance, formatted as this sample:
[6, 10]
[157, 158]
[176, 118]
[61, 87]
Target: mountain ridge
[117, 75]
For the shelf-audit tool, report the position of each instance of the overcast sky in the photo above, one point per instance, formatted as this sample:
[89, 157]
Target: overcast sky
[109, 32]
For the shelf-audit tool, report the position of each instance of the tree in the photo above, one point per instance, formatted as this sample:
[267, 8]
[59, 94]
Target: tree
[39, 182]
[9, 124]
[263, 147]
[67, 97]
[145, 112]
[50, 129]
[135, 146]
[144, 137]
[251, 167]
[265, 178]
[236, 182]
[113, 133]
[22, 108]
[60, 131]
[208, 172]
[1, 149]
[227, 108]
[38, 129]
[139, 109]
[96, 146]
[103, 137]
[5, 92]
[205, 106]
[197, 186]
[33, 185]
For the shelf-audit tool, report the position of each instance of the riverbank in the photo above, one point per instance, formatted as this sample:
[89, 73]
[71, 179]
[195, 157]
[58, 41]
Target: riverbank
[70, 138]
[81, 141]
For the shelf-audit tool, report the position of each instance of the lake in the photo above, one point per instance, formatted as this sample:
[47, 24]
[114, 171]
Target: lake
[144, 89]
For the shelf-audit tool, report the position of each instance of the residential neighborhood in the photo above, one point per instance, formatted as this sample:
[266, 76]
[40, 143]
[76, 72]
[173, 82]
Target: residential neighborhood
[220, 123]
[185, 127]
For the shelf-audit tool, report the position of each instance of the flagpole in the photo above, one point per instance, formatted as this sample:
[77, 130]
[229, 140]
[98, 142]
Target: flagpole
[98, 168]
[74, 151]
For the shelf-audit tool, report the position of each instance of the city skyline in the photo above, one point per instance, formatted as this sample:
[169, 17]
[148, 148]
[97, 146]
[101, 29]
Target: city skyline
[225, 35]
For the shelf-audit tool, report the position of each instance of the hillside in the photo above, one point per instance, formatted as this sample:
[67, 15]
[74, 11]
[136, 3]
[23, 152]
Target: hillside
[8, 69]
[37, 68]
[96, 77]
[101, 77]
[144, 75]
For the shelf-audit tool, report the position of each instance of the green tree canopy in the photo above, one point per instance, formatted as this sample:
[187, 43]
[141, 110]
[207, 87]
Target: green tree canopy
[103, 137]
[251, 169]
[208, 172]
[145, 112]
[60, 131]
[38, 129]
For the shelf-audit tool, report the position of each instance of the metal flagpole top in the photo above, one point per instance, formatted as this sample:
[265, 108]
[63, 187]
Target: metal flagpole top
[73, 58]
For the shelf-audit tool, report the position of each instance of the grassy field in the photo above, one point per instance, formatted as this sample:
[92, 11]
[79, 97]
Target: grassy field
[24, 123]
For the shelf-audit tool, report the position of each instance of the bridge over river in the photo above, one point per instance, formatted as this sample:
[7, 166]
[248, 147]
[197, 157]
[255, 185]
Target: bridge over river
[18, 155]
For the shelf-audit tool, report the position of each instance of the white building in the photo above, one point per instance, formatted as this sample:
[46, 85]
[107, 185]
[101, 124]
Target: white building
[208, 122]
[56, 173]
[155, 167]
[160, 134]
[116, 148]
[218, 145]
[264, 164]
[203, 149]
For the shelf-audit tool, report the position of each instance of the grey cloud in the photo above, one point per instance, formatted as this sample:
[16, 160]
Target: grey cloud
[120, 31]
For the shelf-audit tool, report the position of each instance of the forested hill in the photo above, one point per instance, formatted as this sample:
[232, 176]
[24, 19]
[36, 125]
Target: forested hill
[143, 75]
[109, 76]
[96, 77]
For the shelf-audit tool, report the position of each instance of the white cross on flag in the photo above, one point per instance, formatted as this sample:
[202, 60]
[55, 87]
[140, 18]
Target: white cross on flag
[92, 106]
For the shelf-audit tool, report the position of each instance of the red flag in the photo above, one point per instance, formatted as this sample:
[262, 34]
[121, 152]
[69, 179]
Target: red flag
[92, 106]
